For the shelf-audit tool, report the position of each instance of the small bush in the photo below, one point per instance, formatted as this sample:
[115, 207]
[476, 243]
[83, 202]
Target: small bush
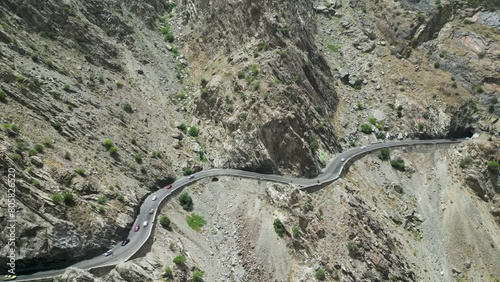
[183, 127]
[314, 145]
[128, 108]
[393, 277]
[102, 200]
[156, 155]
[113, 150]
[180, 260]
[197, 275]
[195, 221]
[193, 131]
[352, 247]
[384, 154]
[15, 157]
[47, 142]
[494, 100]
[241, 74]
[334, 48]
[68, 198]
[466, 162]
[366, 128]
[421, 126]
[255, 70]
[80, 171]
[454, 84]
[11, 128]
[279, 228]
[3, 97]
[357, 84]
[35, 183]
[320, 274]
[38, 148]
[256, 85]
[493, 166]
[398, 164]
[187, 171]
[479, 89]
[120, 198]
[168, 272]
[119, 84]
[165, 222]
[101, 210]
[67, 179]
[186, 201]
[108, 143]
[295, 231]
[437, 65]
[32, 152]
[372, 120]
[57, 198]
[138, 158]
[491, 109]
[66, 87]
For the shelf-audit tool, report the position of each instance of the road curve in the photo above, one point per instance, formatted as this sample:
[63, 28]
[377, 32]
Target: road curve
[137, 239]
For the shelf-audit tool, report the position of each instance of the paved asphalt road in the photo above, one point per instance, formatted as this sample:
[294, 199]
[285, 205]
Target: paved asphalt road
[137, 239]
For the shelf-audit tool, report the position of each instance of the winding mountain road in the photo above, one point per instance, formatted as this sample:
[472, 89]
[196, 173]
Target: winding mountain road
[137, 239]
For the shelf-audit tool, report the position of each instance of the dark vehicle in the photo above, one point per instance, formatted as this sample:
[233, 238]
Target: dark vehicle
[137, 227]
[168, 186]
[125, 242]
[453, 139]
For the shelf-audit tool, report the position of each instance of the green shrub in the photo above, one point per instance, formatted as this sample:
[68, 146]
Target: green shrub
[491, 109]
[241, 74]
[295, 231]
[197, 275]
[195, 221]
[494, 100]
[493, 166]
[57, 198]
[66, 87]
[255, 70]
[372, 120]
[384, 154]
[35, 183]
[68, 198]
[454, 84]
[437, 65]
[175, 52]
[256, 85]
[183, 127]
[32, 152]
[279, 228]
[167, 33]
[334, 48]
[120, 198]
[80, 171]
[180, 260]
[479, 89]
[314, 145]
[165, 222]
[15, 157]
[186, 201]
[398, 164]
[352, 247]
[67, 155]
[193, 131]
[102, 200]
[393, 277]
[11, 128]
[108, 143]
[357, 84]
[119, 84]
[138, 158]
[366, 128]
[320, 274]
[101, 210]
[168, 272]
[421, 126]
[128, 108]
[285, 31]
[3, 96]
[156, 155]
[47, 142]
[38, 148]
[67, 179]
[113, 150]
[187, 171]
[466, 162]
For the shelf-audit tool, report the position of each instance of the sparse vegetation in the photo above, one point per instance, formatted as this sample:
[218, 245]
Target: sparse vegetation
[493, 166]
[168, 272]
[80, 171]
[279, 227]
[165, 221]
[102, 200]
[187, 171]
[57, 198]
[437, 65]
[195, 221]
[466, 162]
[186, 201]
[421, 126]
[68, 198]
[138, 158]
[320, 274]
[167, 33]
[398, 164]
[384, 154]
[357, 84]
[366, 128]
[478, 89]
[314, 145]
[128, 108]
[3, 96]
[295, 231]
[197, 275]
[180, 260]
[193, 131]
[334, 48]
[352, 247]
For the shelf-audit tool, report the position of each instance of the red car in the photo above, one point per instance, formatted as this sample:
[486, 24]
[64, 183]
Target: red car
[168, 186]
[137, 227]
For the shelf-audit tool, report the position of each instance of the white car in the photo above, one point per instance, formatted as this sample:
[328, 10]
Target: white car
[145, 223]
[342, 160]
[151, 211]
[154, 198]
[191, 176]
[363, 147]
[108, 253]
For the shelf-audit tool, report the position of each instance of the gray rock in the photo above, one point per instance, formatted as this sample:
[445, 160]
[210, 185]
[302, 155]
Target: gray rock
[36, 161]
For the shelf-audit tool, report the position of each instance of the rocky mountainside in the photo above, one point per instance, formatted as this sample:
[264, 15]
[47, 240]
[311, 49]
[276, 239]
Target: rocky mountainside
[102, 102]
